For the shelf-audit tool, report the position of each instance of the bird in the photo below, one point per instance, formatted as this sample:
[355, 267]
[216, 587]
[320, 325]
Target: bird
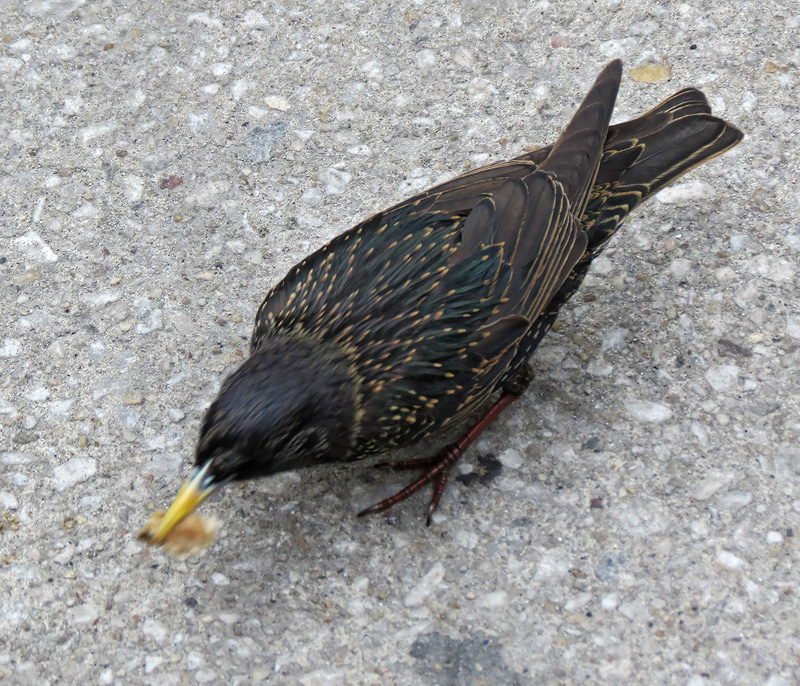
[422, 314]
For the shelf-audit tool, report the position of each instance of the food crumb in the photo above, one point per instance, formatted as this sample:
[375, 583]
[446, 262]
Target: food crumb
[190, 537]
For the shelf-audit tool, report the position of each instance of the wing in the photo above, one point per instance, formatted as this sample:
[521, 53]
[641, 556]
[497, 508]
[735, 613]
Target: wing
[546, 248]
[429, 295]
[432, 297]
[424, 296]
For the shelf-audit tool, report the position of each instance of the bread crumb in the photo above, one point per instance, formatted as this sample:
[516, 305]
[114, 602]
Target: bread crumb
[190, 537]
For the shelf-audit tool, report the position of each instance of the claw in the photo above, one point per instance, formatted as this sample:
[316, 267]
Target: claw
[438, 465]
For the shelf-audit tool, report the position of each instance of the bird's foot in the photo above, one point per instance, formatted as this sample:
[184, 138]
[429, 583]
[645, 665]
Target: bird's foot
[438, 465]
[439, 470]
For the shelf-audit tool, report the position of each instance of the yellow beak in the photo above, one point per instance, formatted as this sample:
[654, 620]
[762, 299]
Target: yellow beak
[192, 493]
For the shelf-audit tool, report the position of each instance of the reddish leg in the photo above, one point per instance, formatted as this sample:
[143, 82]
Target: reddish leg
[440, 463]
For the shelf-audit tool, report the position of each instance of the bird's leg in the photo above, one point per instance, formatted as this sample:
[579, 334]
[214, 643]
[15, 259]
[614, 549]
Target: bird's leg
[441, 463]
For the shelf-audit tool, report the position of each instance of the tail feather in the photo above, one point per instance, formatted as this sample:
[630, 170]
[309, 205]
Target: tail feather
[668, 153]
[676, 106]
[575, 156]
[644, 155]
[635, 168]
[640, 157]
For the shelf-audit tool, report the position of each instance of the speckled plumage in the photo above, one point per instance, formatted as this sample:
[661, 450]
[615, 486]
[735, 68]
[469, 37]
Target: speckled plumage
[417, 316]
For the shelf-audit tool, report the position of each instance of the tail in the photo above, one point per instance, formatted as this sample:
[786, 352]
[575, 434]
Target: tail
[574, 159]
[640, 157]
[646, 154]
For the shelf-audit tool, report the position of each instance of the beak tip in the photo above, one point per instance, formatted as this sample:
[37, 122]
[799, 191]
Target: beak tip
[190, 496]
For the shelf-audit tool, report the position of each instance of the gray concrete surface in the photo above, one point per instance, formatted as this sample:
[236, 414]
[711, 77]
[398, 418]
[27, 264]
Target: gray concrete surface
[643, 527]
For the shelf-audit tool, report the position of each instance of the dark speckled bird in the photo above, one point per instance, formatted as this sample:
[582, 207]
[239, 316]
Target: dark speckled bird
[416, 317]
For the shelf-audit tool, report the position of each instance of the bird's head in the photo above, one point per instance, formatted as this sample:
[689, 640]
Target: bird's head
[292, 404]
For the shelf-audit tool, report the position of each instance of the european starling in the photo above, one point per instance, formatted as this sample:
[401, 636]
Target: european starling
[413, 319]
